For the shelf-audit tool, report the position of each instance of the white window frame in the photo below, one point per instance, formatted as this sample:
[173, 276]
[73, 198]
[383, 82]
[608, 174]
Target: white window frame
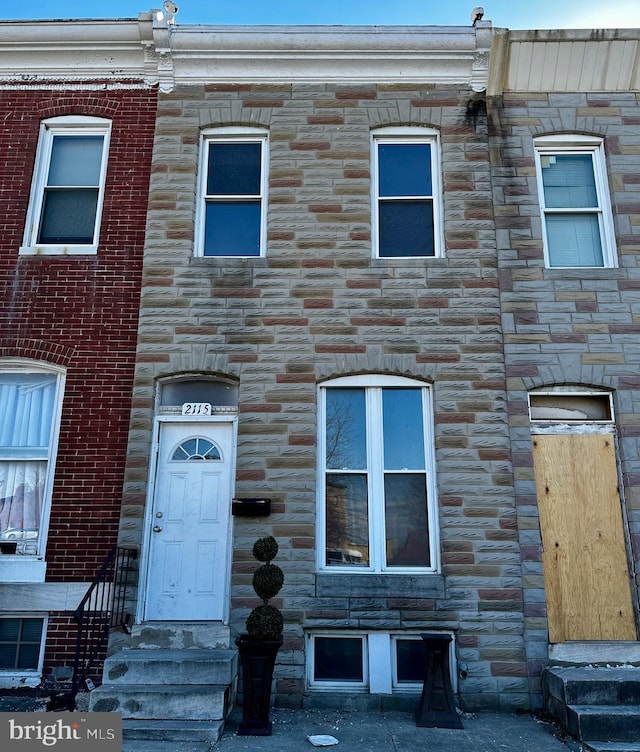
[336, 685]
[409, 135]
[68, 125]
[380, 669]
[377, 532]
[580, 145]
[232, 135]
[19, 567]
[27, 677]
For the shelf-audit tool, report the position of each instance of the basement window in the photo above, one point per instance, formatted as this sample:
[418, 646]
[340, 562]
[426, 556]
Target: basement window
[20, 643]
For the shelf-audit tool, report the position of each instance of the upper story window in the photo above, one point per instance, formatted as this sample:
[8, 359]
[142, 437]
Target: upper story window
[407, 193]
[30, 405]
[574, 201]
[68, 186]
[378, 501]
[233, 180]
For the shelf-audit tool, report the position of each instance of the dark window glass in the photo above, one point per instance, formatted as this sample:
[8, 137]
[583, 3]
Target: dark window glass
[406, 228]
[232, 229]
[404, 170]
[234, 169]
[20, 643]
[406, 523]
[347, 519]
[68, 215]
[338, 659]
[410, 660]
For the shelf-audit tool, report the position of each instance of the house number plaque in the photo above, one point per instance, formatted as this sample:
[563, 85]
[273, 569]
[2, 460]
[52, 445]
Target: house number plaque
[196, 408]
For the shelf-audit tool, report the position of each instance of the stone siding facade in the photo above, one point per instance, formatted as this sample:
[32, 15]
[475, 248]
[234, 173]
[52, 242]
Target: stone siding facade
[318, 306]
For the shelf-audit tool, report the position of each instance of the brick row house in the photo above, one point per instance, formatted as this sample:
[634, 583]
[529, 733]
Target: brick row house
[78, 118]
[388, 284]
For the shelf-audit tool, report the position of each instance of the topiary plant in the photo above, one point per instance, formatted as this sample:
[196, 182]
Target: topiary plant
[265, 622]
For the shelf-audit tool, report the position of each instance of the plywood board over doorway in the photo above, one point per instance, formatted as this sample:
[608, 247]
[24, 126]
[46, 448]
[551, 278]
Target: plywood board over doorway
[584, 554]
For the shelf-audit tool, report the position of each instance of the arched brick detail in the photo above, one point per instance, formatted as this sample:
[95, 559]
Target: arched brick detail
[36, 349]
[69, 105]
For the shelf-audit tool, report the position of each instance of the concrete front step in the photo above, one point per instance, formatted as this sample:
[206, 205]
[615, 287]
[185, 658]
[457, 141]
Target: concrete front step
[604, 723]
[173, 731]
[163, 701]
[594, 685]
[610, 746]
[179, 635]
[193, 666]
[139, 745]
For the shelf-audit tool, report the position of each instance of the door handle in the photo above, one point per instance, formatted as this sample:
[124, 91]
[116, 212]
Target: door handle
[157, 529]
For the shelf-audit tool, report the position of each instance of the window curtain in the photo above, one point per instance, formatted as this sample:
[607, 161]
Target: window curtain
[26, 412]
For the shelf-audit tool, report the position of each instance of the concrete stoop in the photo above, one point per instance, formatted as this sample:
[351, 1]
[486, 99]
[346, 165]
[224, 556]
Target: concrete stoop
[175, 686]
[598, 705]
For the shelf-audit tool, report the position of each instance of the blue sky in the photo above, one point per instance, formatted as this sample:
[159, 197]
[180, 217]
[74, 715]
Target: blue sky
[512, 14]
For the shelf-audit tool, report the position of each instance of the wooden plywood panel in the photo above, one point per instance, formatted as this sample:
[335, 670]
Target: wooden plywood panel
[584, 556]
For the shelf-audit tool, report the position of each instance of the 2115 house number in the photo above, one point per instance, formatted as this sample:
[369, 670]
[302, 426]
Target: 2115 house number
[196, 408]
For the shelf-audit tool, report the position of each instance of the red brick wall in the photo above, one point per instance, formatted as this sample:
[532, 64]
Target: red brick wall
[80, 311]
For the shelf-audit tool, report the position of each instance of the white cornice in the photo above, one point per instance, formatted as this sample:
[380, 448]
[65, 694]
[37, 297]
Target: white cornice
[349, 54]
[76, 50]
[147, 50]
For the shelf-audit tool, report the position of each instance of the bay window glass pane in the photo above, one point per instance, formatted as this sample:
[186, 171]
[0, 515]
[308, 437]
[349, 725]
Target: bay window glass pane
[234, 169]
[574, 240]
[69, 216]
[403, 429]
[404, 170]
[75, 161]
[346, 447]
[406, 523]
[26, 412]
[22, 485]
[410, 661]
[569, 181]
[338, 659]
[406, 228]
[347, 520]
[232, 228]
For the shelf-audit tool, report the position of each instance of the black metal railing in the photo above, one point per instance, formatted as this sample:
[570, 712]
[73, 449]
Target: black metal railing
[102, 610]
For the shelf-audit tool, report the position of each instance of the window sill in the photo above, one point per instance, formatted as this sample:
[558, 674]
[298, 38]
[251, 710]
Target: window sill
[22, 569]
[19, 679]
[58, 250]
[407, 260]
[585, 272]
[350, 584]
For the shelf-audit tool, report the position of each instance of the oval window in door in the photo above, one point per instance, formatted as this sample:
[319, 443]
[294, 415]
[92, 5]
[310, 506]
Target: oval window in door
[196, 449]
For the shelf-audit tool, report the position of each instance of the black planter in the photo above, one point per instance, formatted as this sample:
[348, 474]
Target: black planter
[257, 658]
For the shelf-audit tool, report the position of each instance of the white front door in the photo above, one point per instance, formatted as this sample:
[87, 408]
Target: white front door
[189, 540]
